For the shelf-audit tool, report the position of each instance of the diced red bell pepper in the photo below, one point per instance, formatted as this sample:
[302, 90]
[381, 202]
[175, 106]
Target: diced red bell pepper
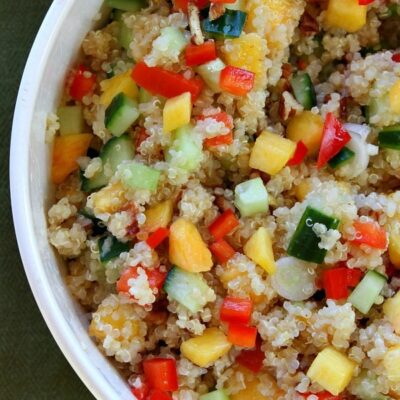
[371, 234]
[334, 138]
[222, 250]
[396, 57]
[200, 54]
[242, 335]
[335, 283]
[183, 4]
[165, 83]
[141, 392]
[236, 81]
[161, 373]
[155, 276]
[354, 276]
[365, 2]
[83, 83]
[301, 64]
[252, 359]
[236, 309]
[223, 224]
[157, 237]
[157, 394]
[322, 396]
[219, 140]
[299, 154]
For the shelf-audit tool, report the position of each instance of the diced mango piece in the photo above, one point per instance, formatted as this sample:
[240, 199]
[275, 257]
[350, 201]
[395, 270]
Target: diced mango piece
[346, 14]
[332, 370]
[391, 309]
[66, 150]
[394, 248]
[259, 249]
[207, 348]
[122, 83]
[394, 98]
[109, 199]
[177, 112]
[187, 249]
[302, 190]
[158, 216]
[391, 362]
[271, 153]
[307, 127]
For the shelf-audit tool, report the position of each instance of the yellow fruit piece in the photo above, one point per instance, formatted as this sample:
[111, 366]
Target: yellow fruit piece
[187, 249]
[108, 200]
[394, 98]
[332, 370]
[259, 249]
[307, 127]
[391, 309]
[391, 362]
[66, 150]
[207, 348]
[302, 190]
[177, 112]
[122, 83]
[248, 52]
[346, 14]
[271, 152]
[158, 216]
[394, 248]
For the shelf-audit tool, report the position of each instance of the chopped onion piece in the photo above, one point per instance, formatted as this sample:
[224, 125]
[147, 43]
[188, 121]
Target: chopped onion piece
[362, 130]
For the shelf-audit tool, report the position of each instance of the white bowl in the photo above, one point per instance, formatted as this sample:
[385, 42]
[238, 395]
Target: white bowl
[56, 46]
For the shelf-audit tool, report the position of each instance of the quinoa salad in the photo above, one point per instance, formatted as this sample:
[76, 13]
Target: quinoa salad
[227, 196]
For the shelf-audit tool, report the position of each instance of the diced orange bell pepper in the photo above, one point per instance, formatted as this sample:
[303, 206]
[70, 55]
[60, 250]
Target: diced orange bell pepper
[371, 234]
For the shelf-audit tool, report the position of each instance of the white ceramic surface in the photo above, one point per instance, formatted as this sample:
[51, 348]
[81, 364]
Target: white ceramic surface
[53, 52]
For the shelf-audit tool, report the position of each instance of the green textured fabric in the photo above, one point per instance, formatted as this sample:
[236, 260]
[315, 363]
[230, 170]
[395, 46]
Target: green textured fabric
[31, 365]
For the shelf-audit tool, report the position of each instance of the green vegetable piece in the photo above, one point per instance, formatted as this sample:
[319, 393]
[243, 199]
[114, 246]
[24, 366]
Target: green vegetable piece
[378, 106]
[98, 227]
[71, 120]
[251, 197]
[171, 42]
[342, 157]
[144, 96]
[389, 138]
[229, 25]
[111, 248]
[215, 395]
[304, 242]
[211, 72]
[303, 90]
[366, 292]
[127, 5]
[139, 176]
[125, 36]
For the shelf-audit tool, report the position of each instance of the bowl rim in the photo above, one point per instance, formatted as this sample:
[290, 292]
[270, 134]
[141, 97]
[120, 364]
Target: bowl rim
[64, 336]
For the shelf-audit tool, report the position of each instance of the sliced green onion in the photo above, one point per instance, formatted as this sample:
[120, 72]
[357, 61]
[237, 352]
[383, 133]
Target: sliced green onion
[344, 155]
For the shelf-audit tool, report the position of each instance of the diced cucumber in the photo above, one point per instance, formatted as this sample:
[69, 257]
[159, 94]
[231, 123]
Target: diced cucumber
[389, 138]
[229, 25]
[215, 395]
[185, 152]
[366, 292]
[344, 155]
[121, 114]
[251, 197]
[170, 42]
[377, 107]
[71, 120]
[139, 176]
[125, 36]
[113, 153]
[304, 242]
[110, 247]
[98, 227]
[211, 72]
[303, 90]
[187, 288]
[127, 5]
[144, 96]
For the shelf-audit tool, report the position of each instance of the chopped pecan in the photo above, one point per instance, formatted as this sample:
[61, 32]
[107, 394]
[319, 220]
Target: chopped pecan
[308, 24]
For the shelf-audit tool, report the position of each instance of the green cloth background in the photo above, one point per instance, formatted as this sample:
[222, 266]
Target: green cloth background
[31, 365]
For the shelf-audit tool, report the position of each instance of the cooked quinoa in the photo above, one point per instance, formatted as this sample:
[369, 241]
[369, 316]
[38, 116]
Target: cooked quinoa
[228, 197]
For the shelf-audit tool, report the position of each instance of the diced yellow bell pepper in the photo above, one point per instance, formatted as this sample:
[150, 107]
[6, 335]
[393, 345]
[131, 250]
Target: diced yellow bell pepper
[391, 362]
[259, 249]
[122, 83]
[177, 112]
[346, 14]
[307, 127]
[207, 348]
[302, 190]
[109, 199]
[158, 216]
[394, 98]
[391, 309]
[271, 153]
[394, 248]
[332, 370]
[187, 249]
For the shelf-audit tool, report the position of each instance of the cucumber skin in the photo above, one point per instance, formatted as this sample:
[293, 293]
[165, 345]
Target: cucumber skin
[116, 248]
[342, 157]
[228, 26]
[304, 90]
[389, 139]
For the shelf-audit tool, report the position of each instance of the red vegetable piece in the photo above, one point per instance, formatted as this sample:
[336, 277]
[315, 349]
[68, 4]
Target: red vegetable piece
[161, 373]
[236, 310]
[219, 140]
[396, 57]
[371, 234]
[354, 276]
[365, 2]
[165, 83]
[183, 4]
[219, 117]
[236, 81]
[252, 359]
[299, 154]
[242, 335]
[141, 392]
[223, 224]
[335, 283]
[157, 237]
[222, 250]
[157, 394]
[334, 138]
[322, 396]
[200, 54]
[83, 83]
